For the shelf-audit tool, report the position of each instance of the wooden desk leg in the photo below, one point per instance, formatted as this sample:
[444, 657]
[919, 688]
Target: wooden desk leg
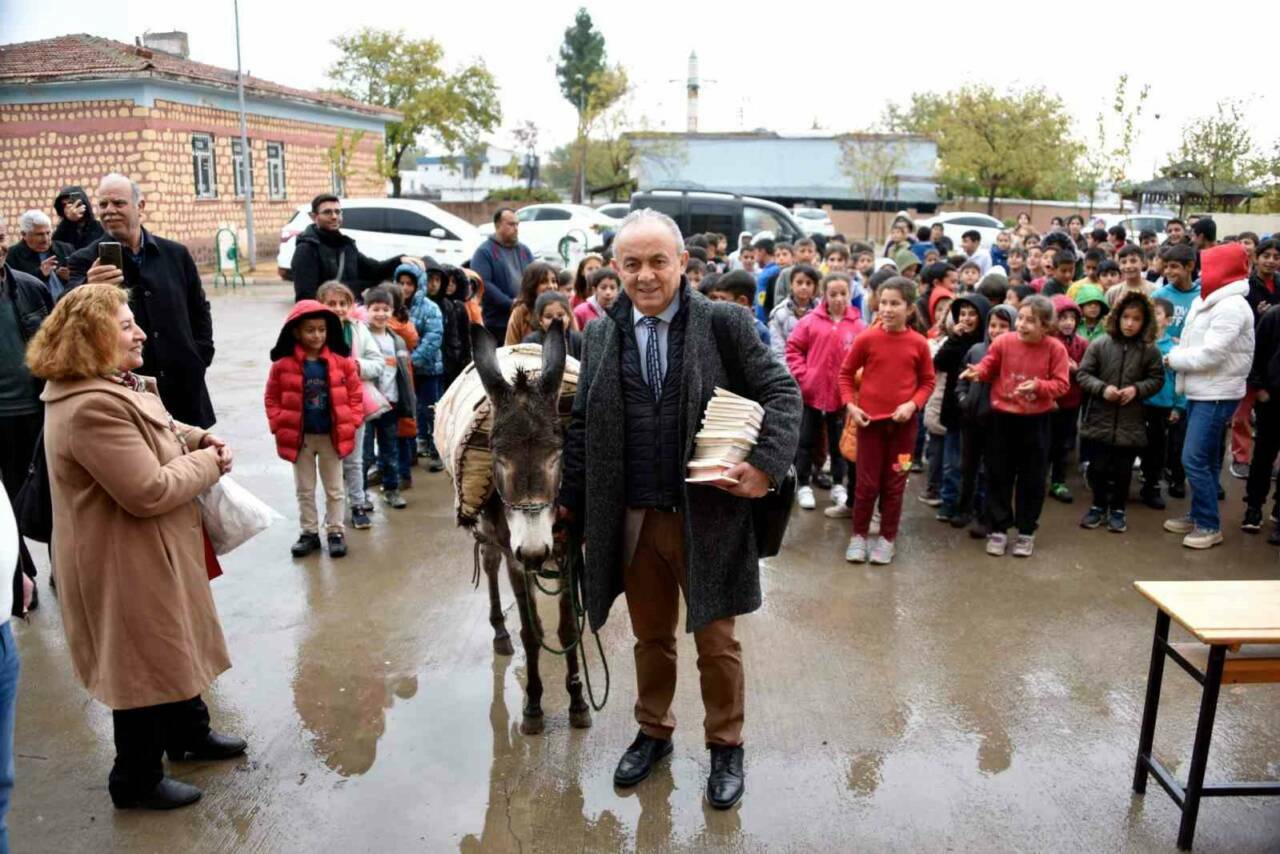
[1200, 752]
[1155, 675]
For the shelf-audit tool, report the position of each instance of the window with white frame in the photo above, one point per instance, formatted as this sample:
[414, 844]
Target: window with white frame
[206, 184]
[275, 170]
[237, 168]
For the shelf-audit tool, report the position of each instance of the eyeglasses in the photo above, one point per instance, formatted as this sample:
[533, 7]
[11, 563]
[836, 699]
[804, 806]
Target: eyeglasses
[329, 212]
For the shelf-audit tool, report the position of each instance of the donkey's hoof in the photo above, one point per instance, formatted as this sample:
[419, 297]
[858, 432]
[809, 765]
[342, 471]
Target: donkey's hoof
[580, 718]
[532, 724]
[502, 646]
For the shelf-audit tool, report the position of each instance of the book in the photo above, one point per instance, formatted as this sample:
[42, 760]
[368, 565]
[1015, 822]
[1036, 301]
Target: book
[730, 429]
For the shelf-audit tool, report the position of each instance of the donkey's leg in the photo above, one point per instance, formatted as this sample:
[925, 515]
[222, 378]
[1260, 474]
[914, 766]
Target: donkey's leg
[492, 557]
[579, 712]
[530, 632]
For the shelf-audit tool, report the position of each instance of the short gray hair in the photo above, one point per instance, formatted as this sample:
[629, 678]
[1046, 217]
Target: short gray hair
[133, 185]
[32, 219]
[647, 215]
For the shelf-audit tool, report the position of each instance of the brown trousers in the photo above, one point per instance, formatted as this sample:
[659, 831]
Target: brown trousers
[654, 580]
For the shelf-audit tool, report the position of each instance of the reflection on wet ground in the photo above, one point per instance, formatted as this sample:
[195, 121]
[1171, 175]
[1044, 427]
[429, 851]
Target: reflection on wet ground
[952, 702]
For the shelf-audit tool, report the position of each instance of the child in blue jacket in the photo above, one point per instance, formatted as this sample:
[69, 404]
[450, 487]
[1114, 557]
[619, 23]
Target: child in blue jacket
[428, 362]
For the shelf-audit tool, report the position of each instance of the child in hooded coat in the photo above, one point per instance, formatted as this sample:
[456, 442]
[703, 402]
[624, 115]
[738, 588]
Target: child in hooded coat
[973, 399]
[1064, 422]
[964, 334]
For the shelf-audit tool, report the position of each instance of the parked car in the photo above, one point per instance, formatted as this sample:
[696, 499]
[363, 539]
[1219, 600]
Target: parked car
[700, 211]
[815, 221]
[615, 210]
[382, 228]
[1135, 223]
[543, 227]
[956, 223]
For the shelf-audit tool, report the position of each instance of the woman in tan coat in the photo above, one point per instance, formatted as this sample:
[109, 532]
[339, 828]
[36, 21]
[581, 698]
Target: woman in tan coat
[141, 625]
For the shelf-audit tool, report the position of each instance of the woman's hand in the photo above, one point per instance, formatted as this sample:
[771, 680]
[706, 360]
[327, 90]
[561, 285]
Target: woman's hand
[859, 417]
[903, 413]
[225, 457]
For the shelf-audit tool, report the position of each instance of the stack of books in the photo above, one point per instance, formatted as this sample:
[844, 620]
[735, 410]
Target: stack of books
[730, 429]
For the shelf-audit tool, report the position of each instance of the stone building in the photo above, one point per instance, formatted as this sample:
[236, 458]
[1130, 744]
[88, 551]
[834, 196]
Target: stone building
[76, 107]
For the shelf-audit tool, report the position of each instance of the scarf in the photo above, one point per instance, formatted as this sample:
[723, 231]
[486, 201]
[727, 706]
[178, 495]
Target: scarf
[133, 382]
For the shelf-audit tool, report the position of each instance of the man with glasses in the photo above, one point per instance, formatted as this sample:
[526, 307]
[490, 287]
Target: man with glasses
[323, 254]
[38, 254]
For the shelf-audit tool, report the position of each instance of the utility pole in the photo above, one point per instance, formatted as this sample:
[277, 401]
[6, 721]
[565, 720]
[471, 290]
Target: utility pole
[246, 180]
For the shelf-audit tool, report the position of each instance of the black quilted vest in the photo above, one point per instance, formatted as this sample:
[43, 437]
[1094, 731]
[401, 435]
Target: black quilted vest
[654, 453]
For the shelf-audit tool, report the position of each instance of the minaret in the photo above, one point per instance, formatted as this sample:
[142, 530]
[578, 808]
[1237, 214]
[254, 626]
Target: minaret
[693, 91]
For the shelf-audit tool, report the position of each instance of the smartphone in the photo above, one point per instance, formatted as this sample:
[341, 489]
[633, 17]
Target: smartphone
[111, 254]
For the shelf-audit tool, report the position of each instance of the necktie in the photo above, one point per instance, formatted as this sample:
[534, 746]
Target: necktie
[652, 362]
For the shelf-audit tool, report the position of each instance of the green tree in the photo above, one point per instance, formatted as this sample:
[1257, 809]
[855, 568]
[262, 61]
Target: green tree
[1219, 151]
[408, 75]
[587, 82]
[993, 144]
[341, 154]
[1105, 162]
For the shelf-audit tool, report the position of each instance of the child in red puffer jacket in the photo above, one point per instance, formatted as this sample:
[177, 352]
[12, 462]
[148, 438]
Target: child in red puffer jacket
[314, 406]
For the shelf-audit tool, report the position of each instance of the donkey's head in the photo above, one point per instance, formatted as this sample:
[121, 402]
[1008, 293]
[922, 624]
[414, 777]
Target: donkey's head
[526, 441]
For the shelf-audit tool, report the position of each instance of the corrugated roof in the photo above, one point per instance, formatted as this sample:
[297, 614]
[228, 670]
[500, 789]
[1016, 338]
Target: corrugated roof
[85, 57]
[770, 165]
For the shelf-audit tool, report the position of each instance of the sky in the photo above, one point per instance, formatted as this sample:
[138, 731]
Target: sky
[830, 64]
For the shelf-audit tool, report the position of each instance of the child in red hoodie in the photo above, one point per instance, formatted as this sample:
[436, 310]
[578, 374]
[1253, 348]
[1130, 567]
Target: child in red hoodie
[314, 405]
[1028, 372]
[897, 380]
[1064, 423]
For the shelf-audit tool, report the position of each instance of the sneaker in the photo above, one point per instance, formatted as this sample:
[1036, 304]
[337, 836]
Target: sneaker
[1024, 545]
[1202, 538]
[931, 498]
[360, 519]
[961, 519]
[337, 545]
[1239, 470]
[1252, 520]
[978, 530]
[945, 514]
[822, 480]
[996, 544]
[434, 463]
[306, 544]
[1181, 525]
[804, 497]
[1152, 499]
[1060, 492]
[394, 499]
[857, 551]
[1116, 523]
[881, 551]
[374, 477]
[424, 449]
[838, 511]
[1177, 490]
[1092, 518]
[839, 495]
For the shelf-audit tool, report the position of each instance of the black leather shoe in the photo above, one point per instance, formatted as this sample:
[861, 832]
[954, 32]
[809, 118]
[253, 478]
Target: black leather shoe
[337, 545]
[637, 763]
[212, 746]
[169, 794]
[727, 780]
[306, 544]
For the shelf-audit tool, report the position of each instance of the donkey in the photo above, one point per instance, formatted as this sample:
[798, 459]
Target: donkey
[527, 442]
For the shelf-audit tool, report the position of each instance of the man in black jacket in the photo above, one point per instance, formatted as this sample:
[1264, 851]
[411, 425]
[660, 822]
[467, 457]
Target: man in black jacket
[165, 294]
[323, 253]
[38, 254]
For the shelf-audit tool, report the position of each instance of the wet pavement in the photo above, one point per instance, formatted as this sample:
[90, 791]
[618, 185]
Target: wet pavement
[952, 701]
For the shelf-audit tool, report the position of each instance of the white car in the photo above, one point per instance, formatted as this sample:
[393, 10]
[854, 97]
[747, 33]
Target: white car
[615, 210]
[383, 228]
[956, 223]
[815, 221]
[1135, 223]
[542, 227]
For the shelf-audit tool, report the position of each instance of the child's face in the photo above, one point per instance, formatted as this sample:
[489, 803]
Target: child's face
[1067, 322]
[607, 293]
[966, 320]
[1091, 311]
[763, 258]
[935, 233]
[434, 281]
[566, 288]
[1017, 264]
[1003, 240]
[379, 313]
[1131, 321]
[997, 325]
[550, 282]
[311, 334]
[1091, 270]
[720, 296]
[1030, 329]
[553, 312]
[748, 259]
[950, 279]
[338, 304]
[931, 256]
[409, 286]
[865, 262]
[1131, 267]
[803, 287]
[837, 262]
[1162, 320]
[1269, 262]
[1011, 298]
[1063, 272]
[1109, 278]
[783, 257]
[898, 233]
[1176, 271]
[1249, 245]
[1148, 243]
[694, 276]
[1034, 257]
[892, 310]
[969, 276]
[940, 312]
[590, 266]
[806, 254]
[837, 297]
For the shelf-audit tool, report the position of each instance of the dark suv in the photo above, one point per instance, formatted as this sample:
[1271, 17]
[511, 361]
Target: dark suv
[700, 211]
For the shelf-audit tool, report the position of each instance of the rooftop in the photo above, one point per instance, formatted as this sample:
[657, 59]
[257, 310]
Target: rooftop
[85, 57]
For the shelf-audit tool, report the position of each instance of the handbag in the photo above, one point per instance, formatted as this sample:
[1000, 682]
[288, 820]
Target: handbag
[232, 515]
[770, 513]
[849, 440]
[33, 506]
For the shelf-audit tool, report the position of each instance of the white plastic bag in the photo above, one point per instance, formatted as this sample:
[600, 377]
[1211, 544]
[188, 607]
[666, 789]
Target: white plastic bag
[232, 515]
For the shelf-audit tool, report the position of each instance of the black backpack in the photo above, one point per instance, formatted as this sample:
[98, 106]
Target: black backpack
[33, 506]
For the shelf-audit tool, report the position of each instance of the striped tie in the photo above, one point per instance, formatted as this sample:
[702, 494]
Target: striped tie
[652, 362]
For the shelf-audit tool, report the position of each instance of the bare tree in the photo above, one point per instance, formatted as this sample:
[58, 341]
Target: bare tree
[871, 161]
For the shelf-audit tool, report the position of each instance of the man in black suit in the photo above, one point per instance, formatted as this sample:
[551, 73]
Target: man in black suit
[38, 254]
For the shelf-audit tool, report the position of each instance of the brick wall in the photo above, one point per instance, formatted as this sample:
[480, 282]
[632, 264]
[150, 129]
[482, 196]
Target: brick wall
[44, 147]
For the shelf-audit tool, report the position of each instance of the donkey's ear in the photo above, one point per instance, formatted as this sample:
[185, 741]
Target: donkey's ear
[485, 356]
[553, 353]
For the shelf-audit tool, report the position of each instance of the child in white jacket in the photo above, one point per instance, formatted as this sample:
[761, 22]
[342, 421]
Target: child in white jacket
[1212, 361]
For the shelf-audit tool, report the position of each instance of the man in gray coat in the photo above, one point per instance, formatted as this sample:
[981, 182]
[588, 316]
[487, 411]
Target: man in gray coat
[647, 372]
